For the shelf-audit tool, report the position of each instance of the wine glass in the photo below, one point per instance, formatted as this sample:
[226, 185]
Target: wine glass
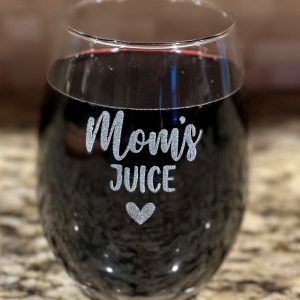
[142, 157]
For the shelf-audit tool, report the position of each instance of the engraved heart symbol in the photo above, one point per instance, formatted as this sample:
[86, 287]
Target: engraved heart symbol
[140, 216]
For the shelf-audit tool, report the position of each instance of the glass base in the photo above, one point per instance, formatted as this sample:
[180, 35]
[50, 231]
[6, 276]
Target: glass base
[95, 295]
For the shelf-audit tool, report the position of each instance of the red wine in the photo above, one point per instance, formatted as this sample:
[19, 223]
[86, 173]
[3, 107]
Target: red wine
[142, 182]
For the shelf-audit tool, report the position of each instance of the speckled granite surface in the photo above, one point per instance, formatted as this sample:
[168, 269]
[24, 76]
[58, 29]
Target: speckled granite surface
[265, 262]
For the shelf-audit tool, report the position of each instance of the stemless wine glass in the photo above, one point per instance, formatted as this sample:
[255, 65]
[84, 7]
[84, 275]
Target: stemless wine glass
[142, 165]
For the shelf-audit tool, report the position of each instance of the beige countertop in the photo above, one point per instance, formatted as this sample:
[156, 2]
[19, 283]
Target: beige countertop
[264, 264]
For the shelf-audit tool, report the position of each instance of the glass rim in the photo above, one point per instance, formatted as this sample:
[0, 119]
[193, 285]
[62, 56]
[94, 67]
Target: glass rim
[170, 45]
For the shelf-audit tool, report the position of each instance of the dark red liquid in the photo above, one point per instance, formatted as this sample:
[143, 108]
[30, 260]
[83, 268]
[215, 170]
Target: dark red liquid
[182, 244]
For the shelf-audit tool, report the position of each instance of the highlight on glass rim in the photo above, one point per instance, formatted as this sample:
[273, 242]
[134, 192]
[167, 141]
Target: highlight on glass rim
[127, 171]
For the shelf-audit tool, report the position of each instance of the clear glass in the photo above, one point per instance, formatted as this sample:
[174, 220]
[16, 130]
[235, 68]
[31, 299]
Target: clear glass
[142, 160]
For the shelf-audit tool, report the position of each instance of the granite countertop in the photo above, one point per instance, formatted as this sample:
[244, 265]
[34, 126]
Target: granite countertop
[264, 264]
